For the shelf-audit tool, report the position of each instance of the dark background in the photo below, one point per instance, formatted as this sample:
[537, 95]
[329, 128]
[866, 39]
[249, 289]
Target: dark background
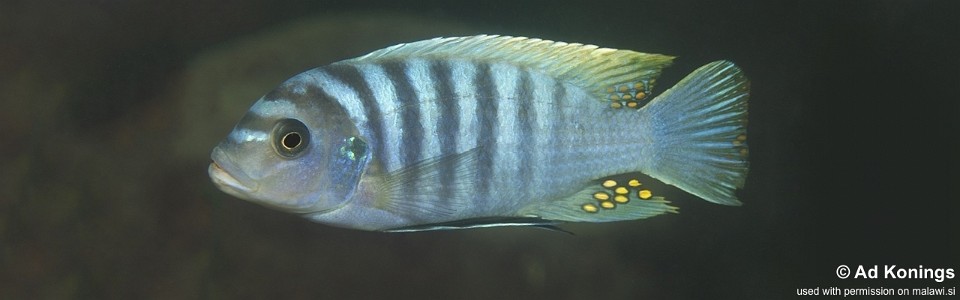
[107, 117]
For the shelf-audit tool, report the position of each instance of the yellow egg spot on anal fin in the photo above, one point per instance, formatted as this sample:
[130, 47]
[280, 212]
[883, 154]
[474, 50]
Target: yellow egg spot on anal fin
[644, 194]
[581, 206]
[621, 199]
[621, 190]
[609, 183]
[632, 104]
[624, 88]
[590, 208]
[601, 196]
[634, 183]
[615, 104]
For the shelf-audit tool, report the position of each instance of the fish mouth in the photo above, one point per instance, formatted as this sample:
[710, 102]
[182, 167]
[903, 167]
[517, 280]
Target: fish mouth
[229, 184]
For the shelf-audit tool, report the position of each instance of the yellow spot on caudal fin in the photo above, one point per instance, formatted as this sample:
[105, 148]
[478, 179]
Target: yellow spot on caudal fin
[590, 208]
[644, 194]
[609, 183]
[601, 196]
[634, 183]
[739, 140]
[621, 190]
[621, 199]
[607, 205]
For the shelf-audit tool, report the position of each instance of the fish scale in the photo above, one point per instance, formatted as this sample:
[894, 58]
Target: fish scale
[487, 131]
[505, 129]
[503, 122]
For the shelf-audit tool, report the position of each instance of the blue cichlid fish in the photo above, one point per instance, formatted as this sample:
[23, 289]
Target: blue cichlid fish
[484, 131]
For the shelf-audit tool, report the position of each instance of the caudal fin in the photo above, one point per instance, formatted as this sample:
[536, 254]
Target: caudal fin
[699, 132]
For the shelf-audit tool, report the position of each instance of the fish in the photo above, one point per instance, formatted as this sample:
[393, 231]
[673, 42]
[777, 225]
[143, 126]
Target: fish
[485, 131]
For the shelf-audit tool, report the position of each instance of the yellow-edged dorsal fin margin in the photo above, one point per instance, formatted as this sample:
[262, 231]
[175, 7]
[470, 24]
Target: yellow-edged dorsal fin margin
[595, 69]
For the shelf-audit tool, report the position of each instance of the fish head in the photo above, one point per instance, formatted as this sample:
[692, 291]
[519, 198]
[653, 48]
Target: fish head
[292, 151]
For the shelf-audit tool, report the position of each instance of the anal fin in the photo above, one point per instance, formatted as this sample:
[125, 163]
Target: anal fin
[605, 200]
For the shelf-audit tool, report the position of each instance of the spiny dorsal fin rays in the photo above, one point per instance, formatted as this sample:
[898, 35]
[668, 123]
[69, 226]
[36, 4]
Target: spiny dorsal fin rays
[590, 67]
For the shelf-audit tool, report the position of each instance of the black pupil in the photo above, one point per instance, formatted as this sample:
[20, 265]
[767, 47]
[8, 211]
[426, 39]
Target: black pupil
[291, 140]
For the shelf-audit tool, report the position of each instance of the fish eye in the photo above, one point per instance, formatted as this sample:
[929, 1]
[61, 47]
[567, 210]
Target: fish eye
[290, 141]
[291, 137]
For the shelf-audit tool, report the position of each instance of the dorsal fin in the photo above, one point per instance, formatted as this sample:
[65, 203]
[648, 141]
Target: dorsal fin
[598, 70]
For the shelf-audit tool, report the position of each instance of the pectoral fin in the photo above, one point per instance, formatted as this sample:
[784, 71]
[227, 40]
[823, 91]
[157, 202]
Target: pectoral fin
[416, 191]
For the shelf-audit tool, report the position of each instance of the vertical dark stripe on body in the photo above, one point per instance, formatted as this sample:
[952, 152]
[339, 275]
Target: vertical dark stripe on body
[487, 115]
[411, 137]
[351, 76]
[558, 119]
[526, 116]
[448, 124]
[408, 112]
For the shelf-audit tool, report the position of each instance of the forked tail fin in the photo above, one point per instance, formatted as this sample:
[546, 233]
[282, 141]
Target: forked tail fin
[699, 132]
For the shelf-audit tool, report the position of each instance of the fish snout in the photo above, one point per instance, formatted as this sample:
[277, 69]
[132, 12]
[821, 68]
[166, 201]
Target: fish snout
[228, 179]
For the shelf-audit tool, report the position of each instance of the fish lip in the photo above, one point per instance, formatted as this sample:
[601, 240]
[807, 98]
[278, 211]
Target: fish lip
[229, 183]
